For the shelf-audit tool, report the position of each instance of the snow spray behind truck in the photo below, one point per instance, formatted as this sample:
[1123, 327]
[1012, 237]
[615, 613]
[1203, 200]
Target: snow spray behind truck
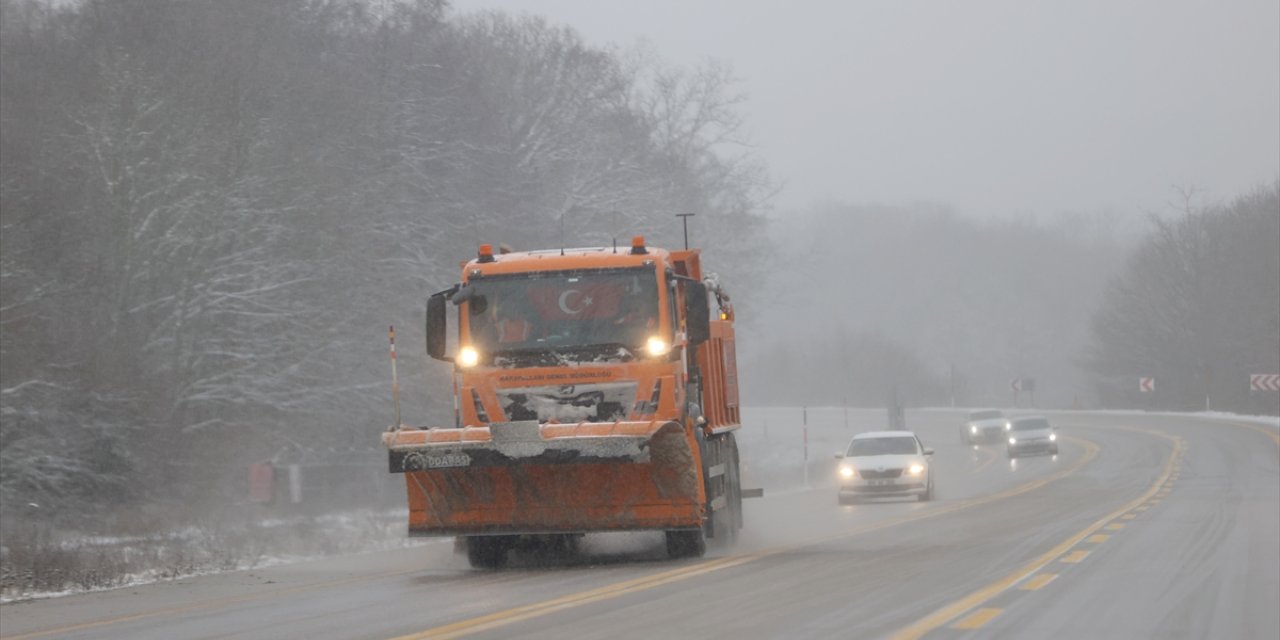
[594, 391]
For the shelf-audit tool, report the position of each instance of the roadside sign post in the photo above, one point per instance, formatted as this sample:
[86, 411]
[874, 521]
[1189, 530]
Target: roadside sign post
[1147, 385]
[1261, 385]
[1015, 385]
[1264, 382]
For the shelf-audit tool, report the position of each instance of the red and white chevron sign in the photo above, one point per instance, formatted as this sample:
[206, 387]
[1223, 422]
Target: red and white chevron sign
[1264, 382]
[1146, 385]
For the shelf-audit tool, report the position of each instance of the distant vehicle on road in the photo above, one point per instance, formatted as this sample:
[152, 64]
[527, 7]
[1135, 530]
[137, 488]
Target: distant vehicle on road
[988, 425]
[1032, 434]
[885, 463]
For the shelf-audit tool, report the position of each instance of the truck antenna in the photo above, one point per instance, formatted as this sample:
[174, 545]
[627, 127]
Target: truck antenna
[684, 217]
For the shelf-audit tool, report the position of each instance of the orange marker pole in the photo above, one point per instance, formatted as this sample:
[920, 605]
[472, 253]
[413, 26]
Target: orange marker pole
[395, 378]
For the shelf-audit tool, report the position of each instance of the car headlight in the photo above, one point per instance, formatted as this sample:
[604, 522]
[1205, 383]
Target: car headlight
[846, 472]
[657, 346]
[1053, 436]
[915, 469]
[468, 357]
[973, 429]
[1013, 441]
[1008, 426]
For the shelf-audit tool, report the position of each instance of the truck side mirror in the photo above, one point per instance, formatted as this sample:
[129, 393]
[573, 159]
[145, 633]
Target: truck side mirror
[697, 314]
[436, 326]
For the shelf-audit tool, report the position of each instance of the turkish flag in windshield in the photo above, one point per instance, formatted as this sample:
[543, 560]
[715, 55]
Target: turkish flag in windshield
[577, 300]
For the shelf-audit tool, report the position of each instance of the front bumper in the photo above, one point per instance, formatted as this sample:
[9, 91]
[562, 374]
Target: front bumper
[1034, 446]
[901, 486]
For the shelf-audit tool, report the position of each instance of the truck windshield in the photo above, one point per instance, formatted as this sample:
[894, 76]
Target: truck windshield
[578, 315]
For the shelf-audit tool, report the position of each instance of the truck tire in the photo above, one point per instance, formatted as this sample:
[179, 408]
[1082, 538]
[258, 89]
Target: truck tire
[686, 543]
[487, 552]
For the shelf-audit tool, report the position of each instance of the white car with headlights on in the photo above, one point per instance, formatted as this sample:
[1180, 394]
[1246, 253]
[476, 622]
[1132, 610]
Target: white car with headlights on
[989, 425]
[885, 463]
[1032, 434]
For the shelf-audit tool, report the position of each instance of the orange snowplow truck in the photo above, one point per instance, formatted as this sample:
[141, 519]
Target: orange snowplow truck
[594, 391]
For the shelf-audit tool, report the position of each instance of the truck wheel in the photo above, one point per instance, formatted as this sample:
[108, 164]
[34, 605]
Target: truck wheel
[487, 552]
[686, 543]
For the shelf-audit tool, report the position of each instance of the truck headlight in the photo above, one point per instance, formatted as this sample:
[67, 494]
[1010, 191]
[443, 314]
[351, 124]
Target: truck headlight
[468, 357]
[657, 346]
[1053, 436]
[973, 429]
[915, 469]
[1008, 426]
[1013, 441]
[846, 472]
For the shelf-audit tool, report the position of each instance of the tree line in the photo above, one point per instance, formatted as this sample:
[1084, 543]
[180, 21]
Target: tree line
[1197, 308]
[211, 211]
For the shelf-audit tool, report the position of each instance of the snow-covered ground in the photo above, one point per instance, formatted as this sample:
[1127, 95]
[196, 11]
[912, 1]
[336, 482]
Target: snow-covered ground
[95, 563]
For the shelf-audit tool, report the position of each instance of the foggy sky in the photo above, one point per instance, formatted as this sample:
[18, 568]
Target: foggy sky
[997, 108]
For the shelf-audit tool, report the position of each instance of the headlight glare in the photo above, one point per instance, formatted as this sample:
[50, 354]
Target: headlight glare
[846, 472]
[468, 357]
[973, 429]
[1013, 441]
[915, 469]
[1053, 436]
[657, 346]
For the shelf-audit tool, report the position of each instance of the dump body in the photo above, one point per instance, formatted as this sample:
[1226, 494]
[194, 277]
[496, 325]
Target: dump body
[595, 390]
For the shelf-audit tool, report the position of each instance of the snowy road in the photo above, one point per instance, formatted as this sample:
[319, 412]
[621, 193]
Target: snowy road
[1144, 526]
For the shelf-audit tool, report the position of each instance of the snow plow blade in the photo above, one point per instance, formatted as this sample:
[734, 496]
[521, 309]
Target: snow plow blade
[525, 477]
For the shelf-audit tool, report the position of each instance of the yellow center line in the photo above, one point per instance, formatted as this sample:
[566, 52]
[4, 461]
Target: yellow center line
[1038, 581]
[976, 619]
[516, 614]
[1099, 538]
[1143, 507]
[959, 607]
[501, 618]
[1115, 526]
[1270, 433]
[1075, 556]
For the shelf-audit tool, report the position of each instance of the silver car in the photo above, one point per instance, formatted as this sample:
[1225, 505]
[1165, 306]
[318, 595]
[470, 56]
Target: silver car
[885, 463]
[989, 425]
[1032, 434]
